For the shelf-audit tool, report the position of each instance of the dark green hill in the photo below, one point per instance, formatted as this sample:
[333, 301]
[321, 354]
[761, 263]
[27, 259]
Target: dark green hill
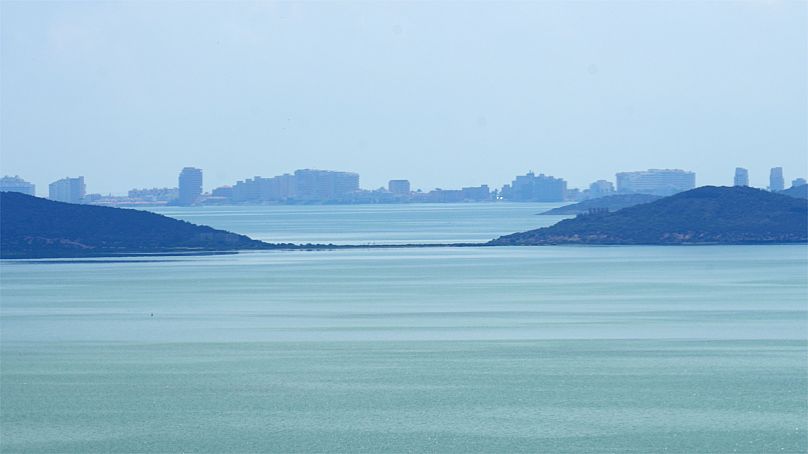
[34, 227]
[706, 215]
[800, 192]
[611, 203]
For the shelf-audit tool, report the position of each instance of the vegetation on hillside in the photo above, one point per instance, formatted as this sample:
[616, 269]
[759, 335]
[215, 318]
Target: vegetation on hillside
[36, 227]
[706, 215]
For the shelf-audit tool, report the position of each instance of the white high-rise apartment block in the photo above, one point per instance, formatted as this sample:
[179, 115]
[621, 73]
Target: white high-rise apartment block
[17, 184]
[741, 177]
[656, 181]
[68, 190]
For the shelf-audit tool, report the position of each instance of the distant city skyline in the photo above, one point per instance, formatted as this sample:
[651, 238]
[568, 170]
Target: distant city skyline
[329, 186]
[757, 177]
[214, 178]
[206, 187]
[442, 94]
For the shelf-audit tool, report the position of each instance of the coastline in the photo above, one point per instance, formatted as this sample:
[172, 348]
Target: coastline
[333, 247]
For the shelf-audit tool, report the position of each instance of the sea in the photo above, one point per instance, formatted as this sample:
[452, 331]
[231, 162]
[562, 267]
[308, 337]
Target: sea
[557, 349]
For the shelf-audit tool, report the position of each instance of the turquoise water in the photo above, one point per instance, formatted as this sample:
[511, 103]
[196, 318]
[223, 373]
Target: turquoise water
[550, 349]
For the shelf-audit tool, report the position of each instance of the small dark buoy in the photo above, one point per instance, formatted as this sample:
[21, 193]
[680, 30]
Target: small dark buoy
[151, 315]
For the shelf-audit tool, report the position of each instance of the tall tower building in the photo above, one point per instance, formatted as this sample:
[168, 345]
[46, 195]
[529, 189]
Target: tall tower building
[741, 177]
[776, 181]
[190, 186]
[69, 190]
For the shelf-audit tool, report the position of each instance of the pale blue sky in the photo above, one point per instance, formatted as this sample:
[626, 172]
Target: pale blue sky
[446, 94]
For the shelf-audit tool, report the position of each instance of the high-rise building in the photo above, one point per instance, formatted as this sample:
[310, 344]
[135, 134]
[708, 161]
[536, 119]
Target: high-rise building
[399, 186]
[284, 186]
[69, 190]
[278, 188]
[311, 184]
[741, 177]
[476, 193]
[600, 188]
[275, 189]
[798, 182]
[248, 190]
[535, 188]
[190, 186]
[656, 181]
[776, 181]
[17, 184]
[344, 183]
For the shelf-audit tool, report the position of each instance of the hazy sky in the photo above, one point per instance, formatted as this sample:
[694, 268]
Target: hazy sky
[446, 94]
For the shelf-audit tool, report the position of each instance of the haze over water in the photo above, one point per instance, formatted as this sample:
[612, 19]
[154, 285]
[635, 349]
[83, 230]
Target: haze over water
[446, 94]
[510, 349]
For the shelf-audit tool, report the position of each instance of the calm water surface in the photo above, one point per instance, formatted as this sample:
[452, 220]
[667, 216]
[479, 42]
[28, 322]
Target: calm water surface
[550, 349]
[372, 224]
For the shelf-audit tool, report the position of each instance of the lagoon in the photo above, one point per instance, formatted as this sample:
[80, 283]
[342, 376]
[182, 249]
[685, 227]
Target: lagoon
[510, 349]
